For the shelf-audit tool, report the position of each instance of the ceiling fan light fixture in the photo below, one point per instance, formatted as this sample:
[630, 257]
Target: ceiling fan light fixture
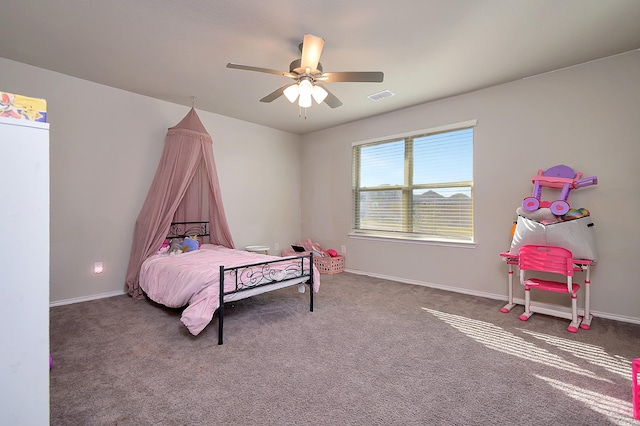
[319, 94]
[292, 92]
[305, 88]
[305, 100]
[307, 71]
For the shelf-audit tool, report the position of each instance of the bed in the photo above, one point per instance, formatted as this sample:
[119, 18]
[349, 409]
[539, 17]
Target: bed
[203, 280]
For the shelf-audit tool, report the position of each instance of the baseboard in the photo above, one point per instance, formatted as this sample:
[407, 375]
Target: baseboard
[86, 298]
[546, 307]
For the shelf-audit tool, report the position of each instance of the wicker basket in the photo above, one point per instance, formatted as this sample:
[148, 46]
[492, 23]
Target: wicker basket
[329, 265]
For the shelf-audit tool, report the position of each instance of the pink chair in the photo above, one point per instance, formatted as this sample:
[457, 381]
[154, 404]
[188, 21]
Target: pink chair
[550, 259]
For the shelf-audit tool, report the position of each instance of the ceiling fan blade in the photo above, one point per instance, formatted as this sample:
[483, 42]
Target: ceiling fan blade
[275, 94]
[258, 69]
[311, 51]
[355, 76]
[331, 99]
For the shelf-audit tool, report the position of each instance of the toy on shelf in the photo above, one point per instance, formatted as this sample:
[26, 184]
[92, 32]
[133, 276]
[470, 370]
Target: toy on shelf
[558, 177]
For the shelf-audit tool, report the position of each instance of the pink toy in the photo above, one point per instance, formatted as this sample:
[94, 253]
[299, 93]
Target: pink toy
[635, 390]
[559, 177]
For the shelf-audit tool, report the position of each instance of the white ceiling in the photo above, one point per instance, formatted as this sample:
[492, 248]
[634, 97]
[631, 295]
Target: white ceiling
[428, 49]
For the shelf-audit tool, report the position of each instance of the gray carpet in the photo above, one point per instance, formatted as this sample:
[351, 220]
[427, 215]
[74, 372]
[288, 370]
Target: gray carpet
[374, 352]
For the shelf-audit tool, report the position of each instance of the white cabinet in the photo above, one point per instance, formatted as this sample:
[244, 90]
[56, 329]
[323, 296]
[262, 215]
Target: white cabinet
[24, 272]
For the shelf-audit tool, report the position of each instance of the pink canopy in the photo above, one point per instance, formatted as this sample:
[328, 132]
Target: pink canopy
[185, 188]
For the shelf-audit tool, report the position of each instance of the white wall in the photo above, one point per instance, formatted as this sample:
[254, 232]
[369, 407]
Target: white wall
[105, 148]
[587, 117]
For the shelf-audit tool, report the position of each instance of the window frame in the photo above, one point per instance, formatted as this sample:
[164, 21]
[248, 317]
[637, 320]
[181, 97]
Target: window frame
[408, 187]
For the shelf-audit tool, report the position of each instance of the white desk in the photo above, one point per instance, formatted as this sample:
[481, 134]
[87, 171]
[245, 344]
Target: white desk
[580, 265]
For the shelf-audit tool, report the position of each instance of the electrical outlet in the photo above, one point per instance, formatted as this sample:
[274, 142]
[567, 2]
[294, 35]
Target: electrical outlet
[276, 246]
[343, 249]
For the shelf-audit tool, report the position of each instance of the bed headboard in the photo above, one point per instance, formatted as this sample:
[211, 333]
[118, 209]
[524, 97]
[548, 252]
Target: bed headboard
[188, 229]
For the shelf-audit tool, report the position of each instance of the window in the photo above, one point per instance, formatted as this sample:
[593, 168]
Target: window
[417, 186]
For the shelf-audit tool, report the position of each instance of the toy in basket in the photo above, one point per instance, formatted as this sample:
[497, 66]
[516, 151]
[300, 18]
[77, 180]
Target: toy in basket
[327, 262]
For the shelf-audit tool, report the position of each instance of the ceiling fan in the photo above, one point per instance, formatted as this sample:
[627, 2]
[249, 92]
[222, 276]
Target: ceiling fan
[307, 74]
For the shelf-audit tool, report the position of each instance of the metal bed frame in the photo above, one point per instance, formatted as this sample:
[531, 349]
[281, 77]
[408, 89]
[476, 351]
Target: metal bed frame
[252, 276]
[188, 229]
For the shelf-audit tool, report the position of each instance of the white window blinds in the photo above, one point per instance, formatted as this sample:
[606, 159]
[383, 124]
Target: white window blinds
[417, 186]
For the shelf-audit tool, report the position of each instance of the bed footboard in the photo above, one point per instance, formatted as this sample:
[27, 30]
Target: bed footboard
[263, 277]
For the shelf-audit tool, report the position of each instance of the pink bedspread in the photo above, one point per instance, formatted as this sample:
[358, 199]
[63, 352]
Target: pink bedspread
[193, 279]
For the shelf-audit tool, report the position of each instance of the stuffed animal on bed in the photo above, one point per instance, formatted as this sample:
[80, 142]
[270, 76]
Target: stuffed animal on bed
[164, 247]
[175, 246]
[190, 244]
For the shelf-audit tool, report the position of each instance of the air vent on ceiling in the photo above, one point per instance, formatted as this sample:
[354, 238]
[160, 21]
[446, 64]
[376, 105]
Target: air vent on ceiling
[381, 95]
